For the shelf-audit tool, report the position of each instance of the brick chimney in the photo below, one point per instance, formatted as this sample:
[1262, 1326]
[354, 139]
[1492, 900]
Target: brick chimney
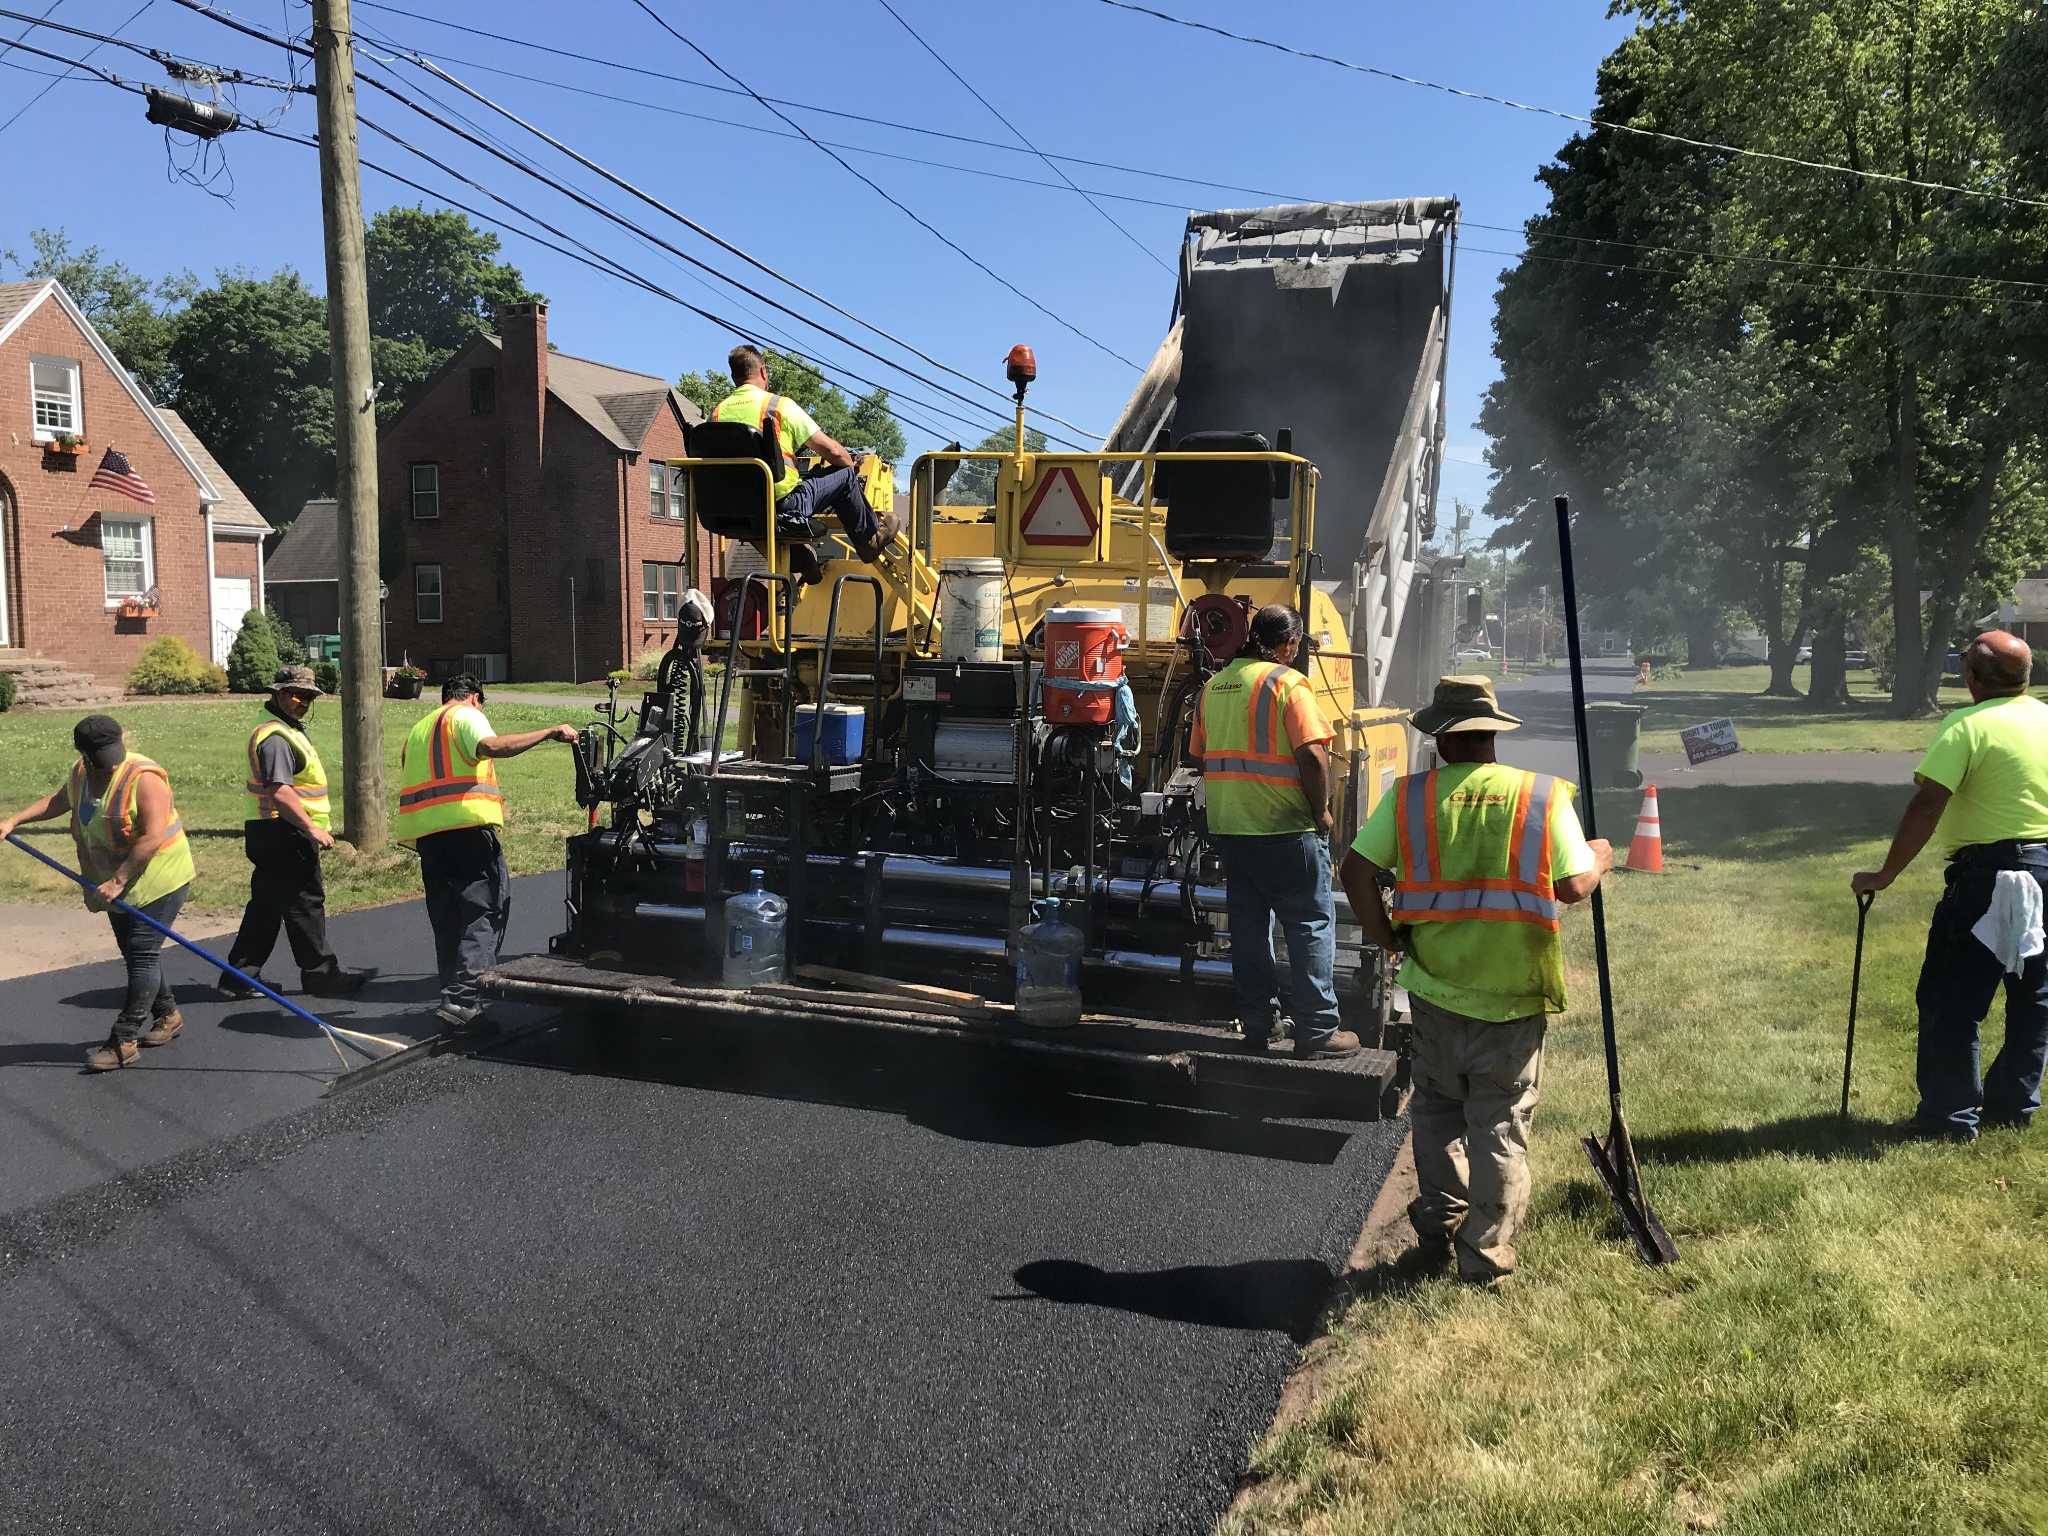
[523, 382]
[531, 580]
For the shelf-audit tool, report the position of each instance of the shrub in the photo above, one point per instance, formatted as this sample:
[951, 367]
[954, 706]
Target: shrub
[327, 676]
[6, 692]
[647, 663]
[170, 665]
[291, 650]
[253, 660]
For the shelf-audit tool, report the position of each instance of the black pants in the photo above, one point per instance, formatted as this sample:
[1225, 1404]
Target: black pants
[285, 890]
[469, 902]
[149, 996]
[1958, 981]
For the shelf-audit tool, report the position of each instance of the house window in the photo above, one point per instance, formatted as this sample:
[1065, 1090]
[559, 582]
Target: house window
[661, 589]
[426, 593]
[483, 391]
[54, 388]
[667, 491]
[426, 491]
[126, 556]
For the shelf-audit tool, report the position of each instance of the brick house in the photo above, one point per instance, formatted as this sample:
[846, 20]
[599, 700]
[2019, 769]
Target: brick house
[524, 486]
[71, 554]
[302, 572]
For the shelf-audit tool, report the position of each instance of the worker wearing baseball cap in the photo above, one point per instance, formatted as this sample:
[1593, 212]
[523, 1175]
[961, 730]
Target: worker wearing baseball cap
[284, 832]
[132, 846]
[1480, 857]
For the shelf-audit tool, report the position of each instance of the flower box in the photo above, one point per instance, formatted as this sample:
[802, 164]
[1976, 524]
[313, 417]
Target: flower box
[137, 608]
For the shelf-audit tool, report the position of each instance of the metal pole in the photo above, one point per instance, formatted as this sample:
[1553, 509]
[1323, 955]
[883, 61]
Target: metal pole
[355, 428]
[1863, 901]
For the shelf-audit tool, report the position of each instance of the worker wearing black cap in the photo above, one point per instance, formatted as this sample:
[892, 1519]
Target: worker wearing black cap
[284, 831]
[132, 846]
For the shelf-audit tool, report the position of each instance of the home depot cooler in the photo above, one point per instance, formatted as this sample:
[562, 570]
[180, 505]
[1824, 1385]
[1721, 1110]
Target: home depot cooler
[1084, 664]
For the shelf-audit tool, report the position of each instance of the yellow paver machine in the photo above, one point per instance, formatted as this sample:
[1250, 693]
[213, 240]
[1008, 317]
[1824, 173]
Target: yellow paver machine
[918, 753]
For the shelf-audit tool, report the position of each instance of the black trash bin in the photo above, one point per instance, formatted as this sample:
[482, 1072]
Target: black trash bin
[1613, 735]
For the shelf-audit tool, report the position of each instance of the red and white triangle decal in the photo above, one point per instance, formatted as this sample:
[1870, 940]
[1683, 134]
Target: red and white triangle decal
[1059, 513]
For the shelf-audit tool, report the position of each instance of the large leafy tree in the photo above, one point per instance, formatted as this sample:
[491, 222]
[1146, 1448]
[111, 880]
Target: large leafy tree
[863, 423]
[134, 315]
[434, 282]
[250, 361]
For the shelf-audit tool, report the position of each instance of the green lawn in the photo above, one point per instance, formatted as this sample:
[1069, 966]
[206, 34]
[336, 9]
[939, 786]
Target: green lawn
[627, 690]
[201, 744]
[1853, 1339]
[1782, 725]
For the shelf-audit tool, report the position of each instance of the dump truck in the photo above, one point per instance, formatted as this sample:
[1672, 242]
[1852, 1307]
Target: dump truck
[919, 753]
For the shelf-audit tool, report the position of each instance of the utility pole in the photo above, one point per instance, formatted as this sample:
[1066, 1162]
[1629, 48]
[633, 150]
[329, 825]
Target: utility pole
[364, 813]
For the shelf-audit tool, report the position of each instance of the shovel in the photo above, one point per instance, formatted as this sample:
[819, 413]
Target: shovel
[1863, 901]
[1615, 1158]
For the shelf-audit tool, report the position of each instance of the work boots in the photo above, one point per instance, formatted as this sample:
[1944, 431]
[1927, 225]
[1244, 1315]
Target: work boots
[164, 1030]
[1342, 1043]
[112, 1056]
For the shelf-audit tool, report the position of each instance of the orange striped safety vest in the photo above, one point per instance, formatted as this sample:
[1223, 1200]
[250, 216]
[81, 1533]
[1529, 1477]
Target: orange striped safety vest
[445, 791]
[1251, 782]
[1487, 859]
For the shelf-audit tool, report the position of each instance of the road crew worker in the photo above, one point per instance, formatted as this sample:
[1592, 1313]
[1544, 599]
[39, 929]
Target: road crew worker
[131, 845]
[1481, 855]
[284, 831]
[1984, 789]
[450, 810]
[1265, 752]
[799, 498]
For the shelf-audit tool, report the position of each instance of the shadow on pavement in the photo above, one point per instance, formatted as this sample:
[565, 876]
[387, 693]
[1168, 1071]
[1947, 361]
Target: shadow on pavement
[1262, 1295]
[29, 1053]
[949, 1089]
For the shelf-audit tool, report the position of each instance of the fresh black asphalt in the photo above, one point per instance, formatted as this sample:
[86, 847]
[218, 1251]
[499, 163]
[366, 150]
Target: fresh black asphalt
[616, 1280]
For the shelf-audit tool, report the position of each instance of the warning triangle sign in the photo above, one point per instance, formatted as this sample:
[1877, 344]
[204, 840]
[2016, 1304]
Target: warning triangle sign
[1059, 512]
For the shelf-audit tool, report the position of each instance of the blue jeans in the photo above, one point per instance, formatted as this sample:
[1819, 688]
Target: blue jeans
[149, 996]
[1958, 980]
[1287, 877]
[837, 491]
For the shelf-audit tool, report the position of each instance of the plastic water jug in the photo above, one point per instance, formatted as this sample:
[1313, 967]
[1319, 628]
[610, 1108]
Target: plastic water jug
[756, 932]
[1049, 969]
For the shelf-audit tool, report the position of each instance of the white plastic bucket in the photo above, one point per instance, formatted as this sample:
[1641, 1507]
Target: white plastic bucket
[971, 609]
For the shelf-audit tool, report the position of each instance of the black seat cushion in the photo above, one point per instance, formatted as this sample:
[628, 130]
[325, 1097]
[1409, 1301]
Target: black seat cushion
[1220, 511]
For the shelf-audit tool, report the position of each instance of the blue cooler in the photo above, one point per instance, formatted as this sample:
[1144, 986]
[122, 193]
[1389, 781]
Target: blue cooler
[845, 732]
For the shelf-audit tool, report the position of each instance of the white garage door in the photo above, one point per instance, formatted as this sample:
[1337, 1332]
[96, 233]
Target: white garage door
[231, 601]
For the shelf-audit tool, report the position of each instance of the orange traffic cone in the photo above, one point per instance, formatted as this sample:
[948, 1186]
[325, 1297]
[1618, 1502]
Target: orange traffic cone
[1646, 849]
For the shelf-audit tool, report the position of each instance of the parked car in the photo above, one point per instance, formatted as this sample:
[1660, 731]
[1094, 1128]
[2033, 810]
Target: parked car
[1804, 656]
[1472, 653]
[1742, 659]
[1856, 661]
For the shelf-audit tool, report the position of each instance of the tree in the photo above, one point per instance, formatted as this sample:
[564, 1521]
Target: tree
[250, 362]
[134, 316]
[435, 282]
[253, 659]
[974, 483]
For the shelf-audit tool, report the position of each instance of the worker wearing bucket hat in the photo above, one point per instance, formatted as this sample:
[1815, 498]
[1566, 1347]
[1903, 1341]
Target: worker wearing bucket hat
[131, 846]
[284, 832]
[1480, 857]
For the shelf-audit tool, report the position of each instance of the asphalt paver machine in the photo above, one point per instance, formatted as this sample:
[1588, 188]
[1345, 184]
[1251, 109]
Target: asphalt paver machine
[918, 751]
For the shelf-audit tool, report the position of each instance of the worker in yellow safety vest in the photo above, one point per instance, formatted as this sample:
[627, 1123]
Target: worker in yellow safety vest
[284, 832]
[837, 489]
[1264, 747]
[132, 846]
[1482, 857]
[450, 810]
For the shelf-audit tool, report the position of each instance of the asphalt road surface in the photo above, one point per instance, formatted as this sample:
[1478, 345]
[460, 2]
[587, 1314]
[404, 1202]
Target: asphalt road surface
[621, 1281]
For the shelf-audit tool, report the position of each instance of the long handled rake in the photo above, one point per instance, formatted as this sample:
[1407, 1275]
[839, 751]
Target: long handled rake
[1863, 901]
[335, 1033]
[1615, 1158]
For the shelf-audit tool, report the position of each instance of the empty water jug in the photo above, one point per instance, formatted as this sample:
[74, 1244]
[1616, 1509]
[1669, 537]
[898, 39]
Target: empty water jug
[756, 935]
[1049, 969]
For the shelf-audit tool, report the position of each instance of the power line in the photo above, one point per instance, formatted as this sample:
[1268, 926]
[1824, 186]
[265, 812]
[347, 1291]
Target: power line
[1050, 165]
[23, 110]
[1572, 117]
[1722, 253]
[177, 66]
[34, 24]
[527, 169]
[533, 46]
[904, 208]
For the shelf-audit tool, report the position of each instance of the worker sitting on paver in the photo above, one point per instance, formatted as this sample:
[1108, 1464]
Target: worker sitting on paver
[799, 498]
[450, 811]
[1264, 748]
[284, 832]
[1481, 855]
[133, 847]
[1983, 785]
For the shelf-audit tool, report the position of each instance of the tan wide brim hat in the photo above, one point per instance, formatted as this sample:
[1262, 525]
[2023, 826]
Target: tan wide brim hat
[1463, 703]
[297, 680]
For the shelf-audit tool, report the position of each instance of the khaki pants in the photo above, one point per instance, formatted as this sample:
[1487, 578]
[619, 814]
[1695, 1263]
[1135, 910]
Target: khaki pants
[1475, 1094]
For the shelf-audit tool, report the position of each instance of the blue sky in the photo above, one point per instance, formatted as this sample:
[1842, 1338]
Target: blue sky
[1078, 77]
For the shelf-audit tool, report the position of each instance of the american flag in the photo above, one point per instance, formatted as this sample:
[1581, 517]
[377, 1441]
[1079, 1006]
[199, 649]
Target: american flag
[117, 474]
